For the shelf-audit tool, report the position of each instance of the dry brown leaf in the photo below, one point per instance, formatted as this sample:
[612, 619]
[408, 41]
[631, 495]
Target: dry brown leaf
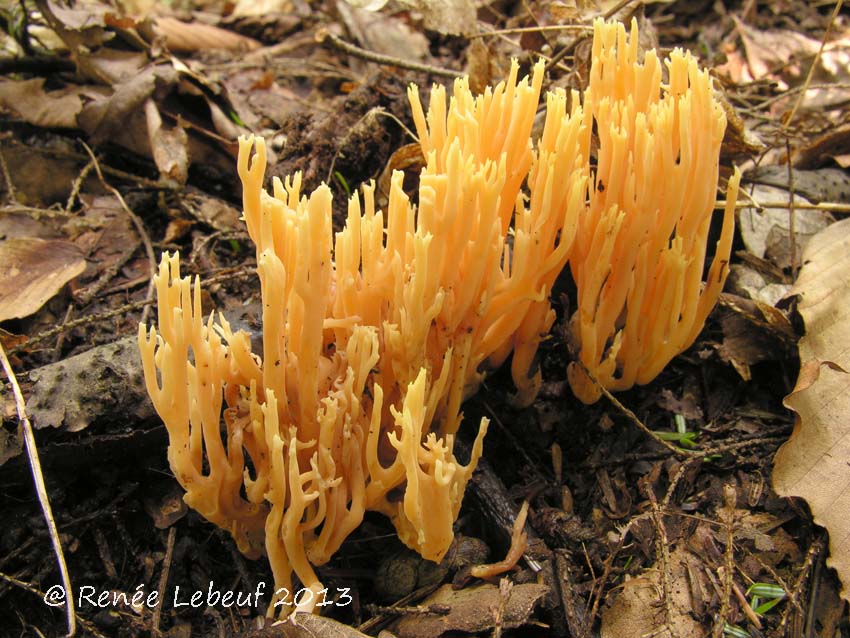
[639, 608]
[766, 232]
[110, 67]
[446, 16]
[246, 8]
[188, 37]
[42, 174]
[103, 119]
[812, 464]
[835, 145]
[168, 145]
[104, 232]
[38, 107]
[211, 210]
[166, 510]
[780, 49]
[407, 158]
[753, 331]
[384, 34]
[32, 271]
[79, 27]
[471, 610]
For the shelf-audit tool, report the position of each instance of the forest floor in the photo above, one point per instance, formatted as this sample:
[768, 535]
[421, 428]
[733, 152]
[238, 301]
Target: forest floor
[652, 512]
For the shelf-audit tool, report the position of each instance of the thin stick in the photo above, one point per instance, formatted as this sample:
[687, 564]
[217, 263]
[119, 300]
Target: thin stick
[123, 310]
[790, 117]
[77, 185]
[323, 36]
[616, 8]
[140, 228]
[830, 207]
[792, 217]
[10, 185]
[519, 30]
[163, 579]
[41, 490]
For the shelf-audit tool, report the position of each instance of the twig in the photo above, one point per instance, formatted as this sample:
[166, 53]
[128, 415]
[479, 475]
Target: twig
[123, 310]
[629, 414]
[85, 295]
[383, 112]
[800, 89]
[691, 454]
[564, 585]
[654, 456]
[505, 588]
[674, 482]
[662, 550]
[401, 610]
[634, 417]
[13, 195]
[325, 37]
[616, 8]
[417, 594]
[520, 30]
[831, 207]
[144, 182]
[57, 348]
[813, 554]
[41, 490]
[727, 570]
[77, 185]
[75, 323]
[790, 117]
[642, 426]
[22, 584]
[105, 554]
[745, 606]
[811, 616]
[515, 443]
[595, 594]
[792, 217]
[140, 228]
[163, 579]
[728, 447]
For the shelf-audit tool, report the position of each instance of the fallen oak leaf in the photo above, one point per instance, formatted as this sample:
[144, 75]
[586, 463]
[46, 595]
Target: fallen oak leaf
[812, 464]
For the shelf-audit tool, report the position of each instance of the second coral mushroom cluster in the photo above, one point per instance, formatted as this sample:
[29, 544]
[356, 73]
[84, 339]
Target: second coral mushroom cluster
[373, 337]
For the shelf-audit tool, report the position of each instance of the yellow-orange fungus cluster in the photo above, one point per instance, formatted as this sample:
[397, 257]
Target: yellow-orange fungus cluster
[374, 336]
[371, 338]
[641, 243]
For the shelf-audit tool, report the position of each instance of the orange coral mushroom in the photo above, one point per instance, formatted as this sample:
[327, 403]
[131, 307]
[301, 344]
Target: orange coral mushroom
[371, 339]
[641, 244]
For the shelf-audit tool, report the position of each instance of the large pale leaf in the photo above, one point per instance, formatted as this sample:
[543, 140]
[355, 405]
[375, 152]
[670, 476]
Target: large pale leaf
[813, 463]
